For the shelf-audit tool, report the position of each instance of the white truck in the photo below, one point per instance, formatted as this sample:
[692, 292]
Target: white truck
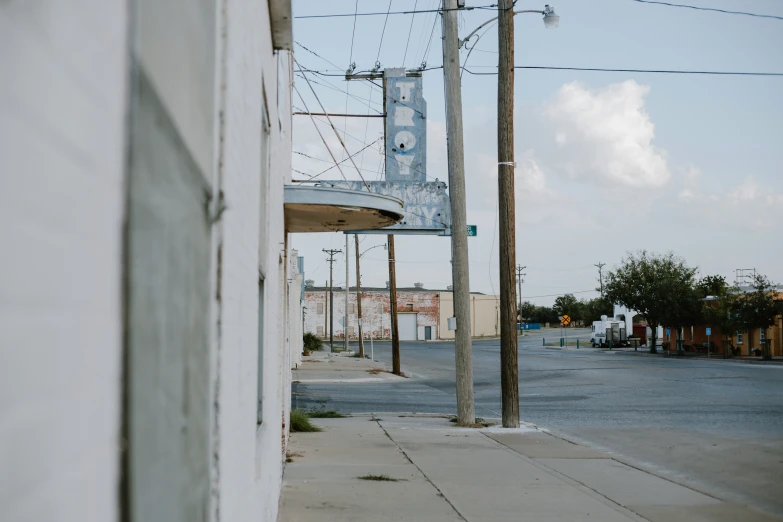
[608, 331]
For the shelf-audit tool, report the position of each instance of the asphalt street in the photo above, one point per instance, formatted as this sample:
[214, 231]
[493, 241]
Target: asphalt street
[715, 425]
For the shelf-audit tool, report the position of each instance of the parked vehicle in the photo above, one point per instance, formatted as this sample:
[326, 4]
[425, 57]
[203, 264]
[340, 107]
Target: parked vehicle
[609, 330]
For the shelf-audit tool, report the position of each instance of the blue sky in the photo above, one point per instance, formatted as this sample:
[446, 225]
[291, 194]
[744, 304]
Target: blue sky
[607, 162]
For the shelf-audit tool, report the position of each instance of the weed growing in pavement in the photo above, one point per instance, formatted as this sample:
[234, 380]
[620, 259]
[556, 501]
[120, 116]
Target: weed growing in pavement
[323, 414]
[380, 478]
[289, 455]
[300, 422]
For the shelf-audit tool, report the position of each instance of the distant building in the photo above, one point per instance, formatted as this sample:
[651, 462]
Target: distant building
[422, 313]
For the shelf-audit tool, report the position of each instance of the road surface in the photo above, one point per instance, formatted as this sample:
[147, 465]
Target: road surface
[715, 425]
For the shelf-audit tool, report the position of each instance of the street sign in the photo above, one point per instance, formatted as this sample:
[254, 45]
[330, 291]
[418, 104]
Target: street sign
[566, 320]
[709, 331]
[472, 230]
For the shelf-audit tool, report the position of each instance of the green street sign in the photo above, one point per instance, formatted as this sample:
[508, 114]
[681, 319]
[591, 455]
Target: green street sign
[472, 230]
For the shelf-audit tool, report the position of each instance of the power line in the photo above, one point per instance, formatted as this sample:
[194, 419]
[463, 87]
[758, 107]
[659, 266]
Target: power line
[592, 69]
[652, 71]
[380, 45]
[710, 9]
[427, 49]
[316, 54]
[328, 85]
[413, 17]
[387, 13]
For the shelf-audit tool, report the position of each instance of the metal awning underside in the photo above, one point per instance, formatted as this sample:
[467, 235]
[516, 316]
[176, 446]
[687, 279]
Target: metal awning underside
[326, 209]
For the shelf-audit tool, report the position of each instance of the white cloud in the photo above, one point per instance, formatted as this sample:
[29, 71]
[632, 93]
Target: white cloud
[745, 192]
[692, 177]
[606, 135]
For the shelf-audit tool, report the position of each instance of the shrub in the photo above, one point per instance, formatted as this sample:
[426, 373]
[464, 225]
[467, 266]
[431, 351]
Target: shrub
[311, 342]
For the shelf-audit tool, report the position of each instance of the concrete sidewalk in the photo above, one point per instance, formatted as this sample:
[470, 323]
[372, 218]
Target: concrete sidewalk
[325, 367]
[460, 474]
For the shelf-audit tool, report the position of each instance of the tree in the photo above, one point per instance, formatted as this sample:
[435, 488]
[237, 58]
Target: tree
[593, 309]
[566, 305]
[720, 309]
[528, 310]
[756, 309]
[660, 287]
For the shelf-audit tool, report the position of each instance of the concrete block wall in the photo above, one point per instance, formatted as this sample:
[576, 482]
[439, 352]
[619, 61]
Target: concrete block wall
[63, 102]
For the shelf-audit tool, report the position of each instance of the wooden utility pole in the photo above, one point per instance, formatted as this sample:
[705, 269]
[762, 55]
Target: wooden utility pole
[459, 228]
[331, 297]
[519, 289]
[393, 308]
[326, 307]
[359, 296]
[509, 376]
[600, 267]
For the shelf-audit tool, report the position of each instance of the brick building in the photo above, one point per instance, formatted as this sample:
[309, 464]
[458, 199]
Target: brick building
[422, 313]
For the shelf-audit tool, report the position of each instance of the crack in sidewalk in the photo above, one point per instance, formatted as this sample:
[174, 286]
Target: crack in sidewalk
[422, 472]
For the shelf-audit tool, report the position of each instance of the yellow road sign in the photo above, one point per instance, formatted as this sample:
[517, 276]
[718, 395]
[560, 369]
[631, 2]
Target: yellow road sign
[566, 320]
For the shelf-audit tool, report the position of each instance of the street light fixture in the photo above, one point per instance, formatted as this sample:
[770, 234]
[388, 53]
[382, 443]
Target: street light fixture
[551, 21]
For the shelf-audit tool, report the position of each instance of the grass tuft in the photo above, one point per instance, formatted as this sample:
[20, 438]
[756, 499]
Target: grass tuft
[300, 422]
[323, 414]
[379, 478]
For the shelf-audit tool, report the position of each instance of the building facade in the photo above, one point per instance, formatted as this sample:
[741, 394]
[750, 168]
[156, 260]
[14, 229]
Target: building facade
[422, 314]
[150, 308]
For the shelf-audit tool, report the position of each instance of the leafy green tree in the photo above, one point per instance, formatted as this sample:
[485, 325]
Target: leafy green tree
[720, 310]
[593, 309]
[756, 309]
[528, 310]
[566, 305]
[660, 287]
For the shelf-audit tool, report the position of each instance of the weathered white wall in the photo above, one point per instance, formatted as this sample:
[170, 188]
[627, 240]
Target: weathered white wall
[252, 244]
[483, 315]
[62, 144]
[376, 319]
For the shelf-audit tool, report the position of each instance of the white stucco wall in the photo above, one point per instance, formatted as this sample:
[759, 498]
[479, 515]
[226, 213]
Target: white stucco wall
[62, 144]
[253, 244]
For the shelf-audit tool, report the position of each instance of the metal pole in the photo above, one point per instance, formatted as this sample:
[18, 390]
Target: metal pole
[359, 296]
[347, 286]
[393, 309]
[372, 348]
[463, 348]
[509, 375]
[331, 309]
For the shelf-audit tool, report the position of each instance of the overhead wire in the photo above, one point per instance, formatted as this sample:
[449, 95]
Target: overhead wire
[426, 53]
[350, 62]
[380, 45]
[725, 11]
[413, 18]
[319, 133]
[365, 101]
[342, 143]
[595, 69]
[342, 15]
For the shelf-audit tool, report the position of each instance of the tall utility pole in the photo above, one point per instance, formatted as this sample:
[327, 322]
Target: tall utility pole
[359, 296]
[393, 308]
[326, 307]
[463, 348]
[600, 267]
[519, 288]
[509, 376]
[347, 286]
[331, 297]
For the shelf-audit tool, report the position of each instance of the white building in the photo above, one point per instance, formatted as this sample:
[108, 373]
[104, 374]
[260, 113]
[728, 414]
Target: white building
[149, 301]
